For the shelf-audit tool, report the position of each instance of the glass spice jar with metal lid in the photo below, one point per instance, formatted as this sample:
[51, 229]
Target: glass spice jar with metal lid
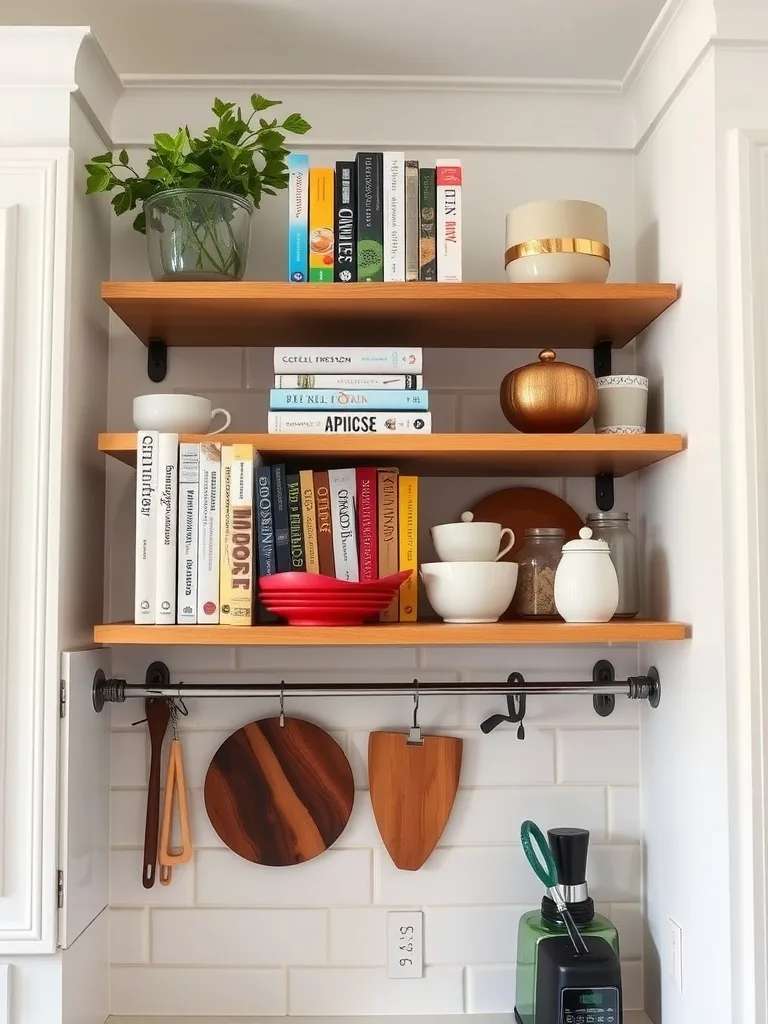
[613, 528]
[537, 563]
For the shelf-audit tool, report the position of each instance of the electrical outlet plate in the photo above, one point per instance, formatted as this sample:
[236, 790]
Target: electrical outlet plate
[405, 944]
[676, 954]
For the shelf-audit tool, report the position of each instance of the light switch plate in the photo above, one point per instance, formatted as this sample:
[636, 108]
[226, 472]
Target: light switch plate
[405, 944]
[676, 954]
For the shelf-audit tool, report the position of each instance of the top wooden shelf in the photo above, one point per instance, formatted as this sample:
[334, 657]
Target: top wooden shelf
[432, 315]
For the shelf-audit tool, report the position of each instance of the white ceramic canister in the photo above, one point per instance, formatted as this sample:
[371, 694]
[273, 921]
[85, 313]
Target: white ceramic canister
[557, 240]
[622, 404]
[586, 584]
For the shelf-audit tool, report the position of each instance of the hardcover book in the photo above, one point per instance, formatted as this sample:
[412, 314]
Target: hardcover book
[324, 524]
[355, 382]
[408, 530]
[237, 575]
[348, 360]
[280, 517]
[345, 213]
[394, 216]
[448, 180]
[412, 206]
[281, 399]
[265, 531]
[189, 514]
[368, 536]
[167, 528]
[343, 492]
[320, 224]
[225, 525]
[298, 216]
[309, 520]
[427, 225]
[295, 525]
[370, 216]
[349, 423]
[146, 527]
[209, 527]
[388, 553]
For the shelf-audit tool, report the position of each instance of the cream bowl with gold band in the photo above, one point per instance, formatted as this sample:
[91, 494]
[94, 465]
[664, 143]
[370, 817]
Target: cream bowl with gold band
[559, 241]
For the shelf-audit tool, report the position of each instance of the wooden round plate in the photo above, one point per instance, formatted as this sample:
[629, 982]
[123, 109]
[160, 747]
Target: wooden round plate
[279, 795]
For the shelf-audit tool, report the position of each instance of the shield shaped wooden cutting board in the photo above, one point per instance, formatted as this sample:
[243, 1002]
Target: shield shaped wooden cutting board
[413, 787]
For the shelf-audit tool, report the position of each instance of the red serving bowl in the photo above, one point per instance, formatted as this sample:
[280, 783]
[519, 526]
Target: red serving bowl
[311, 582]
[323, 615]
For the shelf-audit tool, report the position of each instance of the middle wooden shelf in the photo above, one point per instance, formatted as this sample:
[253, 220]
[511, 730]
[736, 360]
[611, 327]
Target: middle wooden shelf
[530, 455]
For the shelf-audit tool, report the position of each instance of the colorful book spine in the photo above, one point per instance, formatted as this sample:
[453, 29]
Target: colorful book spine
[237, 576]
[427, 225]
[345, 213]
[408, 533]
[324, 524]
[189, 515]
[348, 360]
[303, 398]
[448, 180]
[298, 216]
[394, 216]
[349, 423]
[368, 535]
[389, 556]
[295, 525]
[357, 382]
[343, 492]
[370, 216]
[209, 533]
[280, 515]
[411, 220]
[225, 527]
[265, 527]
[320, 224]
[309, 520]
[146, 527]
[167, 528]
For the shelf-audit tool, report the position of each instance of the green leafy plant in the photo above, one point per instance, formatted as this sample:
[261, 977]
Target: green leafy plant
[234, 155]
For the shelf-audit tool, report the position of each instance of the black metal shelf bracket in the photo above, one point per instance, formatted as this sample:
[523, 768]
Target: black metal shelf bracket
[157, 360]
[603, 481]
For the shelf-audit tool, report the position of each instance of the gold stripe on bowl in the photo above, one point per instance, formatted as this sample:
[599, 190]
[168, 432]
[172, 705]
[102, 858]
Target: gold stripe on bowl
[540, 246]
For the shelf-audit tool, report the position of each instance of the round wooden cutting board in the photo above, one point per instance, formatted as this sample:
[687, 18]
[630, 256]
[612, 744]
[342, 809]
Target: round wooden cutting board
[279, 795]
[521, 508]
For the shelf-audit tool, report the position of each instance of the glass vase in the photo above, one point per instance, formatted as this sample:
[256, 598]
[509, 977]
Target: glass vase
[198, 235]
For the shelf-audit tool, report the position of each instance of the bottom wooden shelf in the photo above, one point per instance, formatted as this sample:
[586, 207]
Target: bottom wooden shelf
[417, 634]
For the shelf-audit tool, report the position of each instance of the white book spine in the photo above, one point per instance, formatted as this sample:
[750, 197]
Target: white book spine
[189, 513]
[146, 526]
[349, 423]
[394, 216]
[448, 178]
[167, 528]
[343, 487]
[208, 567]
[348, 360]
[359, 382]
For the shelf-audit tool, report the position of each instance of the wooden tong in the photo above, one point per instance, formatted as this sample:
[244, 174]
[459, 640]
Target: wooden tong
[175, 787]
[158, 712]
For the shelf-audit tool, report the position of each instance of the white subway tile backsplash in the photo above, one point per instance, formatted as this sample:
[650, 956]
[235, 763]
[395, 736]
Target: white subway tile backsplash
[466, 935]
[600, 756]
[239, 938]
[361, 830]
[491, 989]
[126, 887]
[359, 937]
[367, 990]
[500, 759]
[337, 878]
[632, 984]
[628, 918]
[167, 991]
[129, 754]
[128, 936]
[481, 413]
[341, 660]
[624, 813]
[614, 873]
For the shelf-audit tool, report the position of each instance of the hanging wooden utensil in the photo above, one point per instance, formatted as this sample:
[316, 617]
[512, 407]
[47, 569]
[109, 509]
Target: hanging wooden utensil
[279, 791]
[158, 713]
[413, 781]
[175, 790]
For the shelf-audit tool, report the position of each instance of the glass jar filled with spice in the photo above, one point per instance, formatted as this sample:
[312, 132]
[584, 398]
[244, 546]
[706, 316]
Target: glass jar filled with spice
[537, 563]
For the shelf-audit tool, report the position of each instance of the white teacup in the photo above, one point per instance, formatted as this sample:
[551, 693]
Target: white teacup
[470, 591]
[468, 541]
[177, 414]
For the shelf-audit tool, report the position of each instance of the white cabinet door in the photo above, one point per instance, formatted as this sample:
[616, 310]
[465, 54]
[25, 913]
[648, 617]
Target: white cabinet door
[34, 187]
[84, 809]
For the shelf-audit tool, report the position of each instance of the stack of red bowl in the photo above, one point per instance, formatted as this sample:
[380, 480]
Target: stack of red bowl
[307, 599]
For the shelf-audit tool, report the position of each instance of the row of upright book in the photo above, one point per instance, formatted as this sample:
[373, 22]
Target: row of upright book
[378, 217]
[211, 518]
[349, 391]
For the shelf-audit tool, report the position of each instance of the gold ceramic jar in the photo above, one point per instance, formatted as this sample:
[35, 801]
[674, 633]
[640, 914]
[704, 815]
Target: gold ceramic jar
[548, 397]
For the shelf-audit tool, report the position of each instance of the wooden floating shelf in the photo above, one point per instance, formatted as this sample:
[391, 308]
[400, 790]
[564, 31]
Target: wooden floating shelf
[427, 314]
[510, 454]
[426, 634]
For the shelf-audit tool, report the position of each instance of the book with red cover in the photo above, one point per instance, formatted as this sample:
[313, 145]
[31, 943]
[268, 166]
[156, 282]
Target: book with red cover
[367, 525]
[324, 524]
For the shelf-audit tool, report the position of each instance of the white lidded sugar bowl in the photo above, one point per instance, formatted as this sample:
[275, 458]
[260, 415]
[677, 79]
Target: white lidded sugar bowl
[586, 584]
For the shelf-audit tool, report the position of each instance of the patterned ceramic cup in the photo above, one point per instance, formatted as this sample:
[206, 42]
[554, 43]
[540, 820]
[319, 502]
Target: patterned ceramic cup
[622, 404]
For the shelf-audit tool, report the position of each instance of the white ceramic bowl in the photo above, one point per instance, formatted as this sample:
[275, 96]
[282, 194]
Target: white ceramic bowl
[177, 414]
[559, 240]
[469, 591]
[471, 542]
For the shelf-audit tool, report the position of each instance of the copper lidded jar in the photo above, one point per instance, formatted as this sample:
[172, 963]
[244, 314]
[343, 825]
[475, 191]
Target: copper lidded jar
[548, 397]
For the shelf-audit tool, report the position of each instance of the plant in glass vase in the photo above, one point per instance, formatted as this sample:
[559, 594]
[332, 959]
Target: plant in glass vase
[197, 194]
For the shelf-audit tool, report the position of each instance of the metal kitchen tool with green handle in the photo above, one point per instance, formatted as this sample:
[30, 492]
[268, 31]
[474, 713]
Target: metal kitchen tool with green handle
[539, 856]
